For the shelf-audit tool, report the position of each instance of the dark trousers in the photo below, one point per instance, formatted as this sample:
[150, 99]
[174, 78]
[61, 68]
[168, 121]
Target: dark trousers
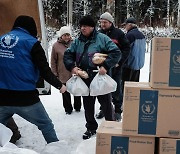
[130, 75]
[89, 107]
[117, 95]
[67, 102]
[14, 128]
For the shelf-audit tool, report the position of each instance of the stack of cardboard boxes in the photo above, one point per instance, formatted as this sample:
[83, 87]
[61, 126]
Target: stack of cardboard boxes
[150, 109]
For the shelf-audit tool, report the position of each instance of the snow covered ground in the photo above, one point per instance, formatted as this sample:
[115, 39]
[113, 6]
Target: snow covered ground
[69, 128]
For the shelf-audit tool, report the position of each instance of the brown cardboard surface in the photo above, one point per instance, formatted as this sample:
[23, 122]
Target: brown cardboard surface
[135, 144]
[167, 111]
[160, 63]
[168, 146]
[107, 126]
[10, 9]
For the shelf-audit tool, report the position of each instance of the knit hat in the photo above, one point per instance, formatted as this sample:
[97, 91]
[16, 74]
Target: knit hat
[64, 30]
[87, 20]
[27, 23]
[131, 20]
[107, 16]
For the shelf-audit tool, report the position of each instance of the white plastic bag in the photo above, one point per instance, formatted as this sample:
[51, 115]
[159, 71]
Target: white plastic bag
[76, 86]
[102, 84]
[5, 135]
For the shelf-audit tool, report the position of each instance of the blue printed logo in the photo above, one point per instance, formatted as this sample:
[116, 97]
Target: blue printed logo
[119, 150]
[148, 108]
[176, 59]
[174, 70]
[119, 145]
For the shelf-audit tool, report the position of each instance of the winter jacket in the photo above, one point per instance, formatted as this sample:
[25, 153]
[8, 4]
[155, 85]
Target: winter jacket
[96, 43]
[138, 47]
[21, 58]
[57, 65]
[12, 59]
[119, 38]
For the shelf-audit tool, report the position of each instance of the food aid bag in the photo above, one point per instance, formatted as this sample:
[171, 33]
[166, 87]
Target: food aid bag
[76, 86]
[102, 84]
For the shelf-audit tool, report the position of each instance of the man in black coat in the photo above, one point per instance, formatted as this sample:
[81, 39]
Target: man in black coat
[119, 38]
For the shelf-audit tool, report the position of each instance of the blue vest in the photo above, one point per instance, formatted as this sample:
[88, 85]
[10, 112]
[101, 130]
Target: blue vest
[17, 71]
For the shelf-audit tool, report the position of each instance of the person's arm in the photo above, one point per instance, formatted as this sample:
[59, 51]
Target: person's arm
[54, 61]
[130, 37]
[124, 47]
[114, 53]
[40, 60]
[69, 58]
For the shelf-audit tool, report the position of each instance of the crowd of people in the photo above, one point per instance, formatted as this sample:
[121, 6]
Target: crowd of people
[20, 51]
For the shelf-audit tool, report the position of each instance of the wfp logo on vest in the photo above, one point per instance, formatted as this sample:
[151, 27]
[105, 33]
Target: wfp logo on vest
[9, 41]
[148, 108]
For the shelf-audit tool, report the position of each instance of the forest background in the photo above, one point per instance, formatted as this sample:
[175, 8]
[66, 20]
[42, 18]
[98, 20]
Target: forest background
[159, 18]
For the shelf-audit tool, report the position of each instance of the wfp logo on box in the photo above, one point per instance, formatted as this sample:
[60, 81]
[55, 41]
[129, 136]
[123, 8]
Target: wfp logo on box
[119, 145]
[148, 108]
[119, 150]
[176, 59]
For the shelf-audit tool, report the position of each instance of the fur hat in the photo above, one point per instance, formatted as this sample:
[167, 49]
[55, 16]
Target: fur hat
[27, 23]
[107, 16]
[64, 30]
[88, 21]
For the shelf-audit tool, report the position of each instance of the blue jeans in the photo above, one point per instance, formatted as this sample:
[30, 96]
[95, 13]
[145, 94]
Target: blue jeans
[36, 114]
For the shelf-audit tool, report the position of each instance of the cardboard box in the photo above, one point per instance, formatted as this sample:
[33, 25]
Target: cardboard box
[169, 146]
[150, 112]
[109, 140]
[165, 63]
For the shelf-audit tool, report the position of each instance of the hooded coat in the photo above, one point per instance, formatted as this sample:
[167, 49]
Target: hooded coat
[22, 60]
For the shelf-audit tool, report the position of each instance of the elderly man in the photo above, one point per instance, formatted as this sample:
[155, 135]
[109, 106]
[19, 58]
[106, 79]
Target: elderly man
[135, 62]
[79, 57]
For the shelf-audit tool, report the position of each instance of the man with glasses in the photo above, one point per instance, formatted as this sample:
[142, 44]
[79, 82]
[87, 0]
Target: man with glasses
[119, 38]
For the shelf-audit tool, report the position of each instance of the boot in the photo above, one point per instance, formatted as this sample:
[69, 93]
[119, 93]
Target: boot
[100, 115]
[14, 128]
[88, 134]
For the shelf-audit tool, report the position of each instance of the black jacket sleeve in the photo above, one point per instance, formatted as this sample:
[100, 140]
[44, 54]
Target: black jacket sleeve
[124, 47]
[40, 60]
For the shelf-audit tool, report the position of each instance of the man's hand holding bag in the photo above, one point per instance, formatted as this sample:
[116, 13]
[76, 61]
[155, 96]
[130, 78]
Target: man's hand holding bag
[76, 86]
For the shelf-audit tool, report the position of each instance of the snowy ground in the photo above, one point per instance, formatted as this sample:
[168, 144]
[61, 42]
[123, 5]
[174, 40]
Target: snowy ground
[69, 128]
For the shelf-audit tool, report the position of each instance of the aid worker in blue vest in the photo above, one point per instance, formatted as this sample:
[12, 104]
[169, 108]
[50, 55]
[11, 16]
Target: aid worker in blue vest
[22, 61]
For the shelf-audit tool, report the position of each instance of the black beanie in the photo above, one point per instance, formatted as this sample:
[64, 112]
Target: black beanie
[27, 23]
[87, 20]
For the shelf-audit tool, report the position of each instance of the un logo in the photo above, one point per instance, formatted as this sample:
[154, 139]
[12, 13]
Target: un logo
[176, 59]
[119, 150]
[9, 41]
[148, 109]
